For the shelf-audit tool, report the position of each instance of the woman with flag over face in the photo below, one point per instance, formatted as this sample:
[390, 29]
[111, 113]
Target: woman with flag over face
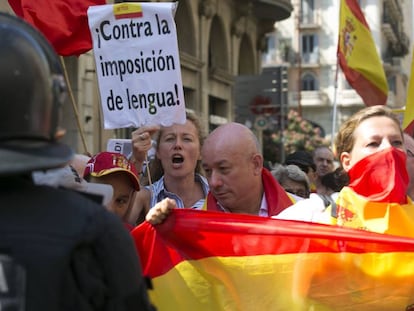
[370, 148]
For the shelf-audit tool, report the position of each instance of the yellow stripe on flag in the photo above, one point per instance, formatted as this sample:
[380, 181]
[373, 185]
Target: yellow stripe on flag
[127, 10]
[408, 121]
[320, 281]
[206, 261]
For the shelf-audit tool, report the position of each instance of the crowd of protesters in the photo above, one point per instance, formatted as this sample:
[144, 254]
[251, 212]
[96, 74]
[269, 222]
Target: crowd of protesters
[221, 172]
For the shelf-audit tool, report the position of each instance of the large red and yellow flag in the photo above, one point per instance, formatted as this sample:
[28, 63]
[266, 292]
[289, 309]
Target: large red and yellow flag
[63, 22]
[358, 57]
[408, 121]
[217, 261]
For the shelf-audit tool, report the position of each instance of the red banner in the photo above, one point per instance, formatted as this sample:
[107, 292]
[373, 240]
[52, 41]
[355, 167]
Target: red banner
[63, 22]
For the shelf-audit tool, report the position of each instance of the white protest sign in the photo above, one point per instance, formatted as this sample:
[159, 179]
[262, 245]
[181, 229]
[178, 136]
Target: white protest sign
[137, 64]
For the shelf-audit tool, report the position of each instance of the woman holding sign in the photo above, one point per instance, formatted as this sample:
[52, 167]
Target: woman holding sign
[176, 167]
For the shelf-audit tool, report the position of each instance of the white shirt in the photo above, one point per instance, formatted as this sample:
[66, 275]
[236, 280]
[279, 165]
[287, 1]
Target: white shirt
[311, 210]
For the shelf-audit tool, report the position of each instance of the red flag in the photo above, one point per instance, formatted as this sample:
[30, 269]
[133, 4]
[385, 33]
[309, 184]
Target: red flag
[358, 55]
[206, 261]
[63, 22]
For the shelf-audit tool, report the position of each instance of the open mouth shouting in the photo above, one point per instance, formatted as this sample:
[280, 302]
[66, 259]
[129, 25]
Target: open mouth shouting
[177, 160]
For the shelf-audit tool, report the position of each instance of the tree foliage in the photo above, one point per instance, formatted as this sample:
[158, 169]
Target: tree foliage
[299, 134]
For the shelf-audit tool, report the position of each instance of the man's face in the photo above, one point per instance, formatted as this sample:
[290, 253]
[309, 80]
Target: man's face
[324, 161]
[231, 176]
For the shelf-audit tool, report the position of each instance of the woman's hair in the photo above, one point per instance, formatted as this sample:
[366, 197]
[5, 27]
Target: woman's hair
[291, 172]
[156, 169]
[345, 138]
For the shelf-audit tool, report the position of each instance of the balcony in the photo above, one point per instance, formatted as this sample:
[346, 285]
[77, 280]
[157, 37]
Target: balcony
[393, 8]
[348, 98]
[310, 60]
[311, 20]
[309, 98]
[393, 30]
[389, 33]
[274, 10]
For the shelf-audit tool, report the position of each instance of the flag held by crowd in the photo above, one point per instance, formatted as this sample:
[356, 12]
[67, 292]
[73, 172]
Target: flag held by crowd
[216, 261]
[408, 120]
[358, 57]
[63, 22]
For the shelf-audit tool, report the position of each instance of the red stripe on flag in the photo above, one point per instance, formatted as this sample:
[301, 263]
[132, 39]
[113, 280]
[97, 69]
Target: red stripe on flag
[128, 15]
[368, 91]
[410, 129]
[356, 11]
[192, 235]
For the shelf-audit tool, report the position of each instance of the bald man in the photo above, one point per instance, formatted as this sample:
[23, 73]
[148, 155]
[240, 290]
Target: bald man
[409, 146]
[238, 181]
[323, 158]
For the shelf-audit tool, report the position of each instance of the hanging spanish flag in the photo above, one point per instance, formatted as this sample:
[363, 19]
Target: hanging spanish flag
[358, 57]
[202, 260]
[408, 121]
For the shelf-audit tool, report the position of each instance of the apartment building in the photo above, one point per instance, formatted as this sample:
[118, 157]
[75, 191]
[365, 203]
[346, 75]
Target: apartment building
[306, 43]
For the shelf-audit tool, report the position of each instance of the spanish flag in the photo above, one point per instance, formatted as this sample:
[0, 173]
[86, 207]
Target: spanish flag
[408, 121]
[200, 260]
[358, 57]
[127, 10]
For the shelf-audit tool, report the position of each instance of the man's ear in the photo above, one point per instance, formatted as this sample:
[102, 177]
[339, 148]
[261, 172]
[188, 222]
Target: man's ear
[345, 159]
[257, 161]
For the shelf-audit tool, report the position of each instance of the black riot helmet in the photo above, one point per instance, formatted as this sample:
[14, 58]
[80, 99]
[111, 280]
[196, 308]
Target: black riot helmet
[32, 92]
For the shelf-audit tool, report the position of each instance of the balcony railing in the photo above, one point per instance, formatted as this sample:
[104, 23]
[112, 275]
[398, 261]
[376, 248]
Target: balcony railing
[308, 98]
[310, 20]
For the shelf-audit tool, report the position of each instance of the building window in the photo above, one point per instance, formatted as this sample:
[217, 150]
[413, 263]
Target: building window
[309, 48]
[309, 82]
[307, 11]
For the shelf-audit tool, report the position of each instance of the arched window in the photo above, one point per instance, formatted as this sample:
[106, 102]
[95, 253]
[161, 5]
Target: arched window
[186, 39]
[309, 82]
[217, 56]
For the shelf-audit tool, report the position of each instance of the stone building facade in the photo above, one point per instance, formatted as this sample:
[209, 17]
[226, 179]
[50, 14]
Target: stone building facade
[218, 40]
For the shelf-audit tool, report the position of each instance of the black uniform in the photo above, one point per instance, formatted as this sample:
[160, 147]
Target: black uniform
[61, 251]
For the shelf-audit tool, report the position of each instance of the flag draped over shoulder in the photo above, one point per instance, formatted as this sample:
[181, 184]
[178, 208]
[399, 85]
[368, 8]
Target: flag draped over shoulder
[408, 121]
[202, 260]
[358, 57]
[63, 22]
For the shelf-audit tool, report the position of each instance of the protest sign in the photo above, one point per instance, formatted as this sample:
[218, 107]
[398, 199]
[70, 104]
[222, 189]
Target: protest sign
[137, 64]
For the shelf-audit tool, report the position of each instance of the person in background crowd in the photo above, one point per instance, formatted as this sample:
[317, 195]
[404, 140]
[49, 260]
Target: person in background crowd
[115, 169]
[323, 158]
[176, 168]
[409, 145]
[58, 249]
[292, 179]
[371, 150]
[239, 183]
[333, 182]
[304, 161]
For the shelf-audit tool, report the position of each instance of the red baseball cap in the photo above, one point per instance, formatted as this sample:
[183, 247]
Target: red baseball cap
[105, 163]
